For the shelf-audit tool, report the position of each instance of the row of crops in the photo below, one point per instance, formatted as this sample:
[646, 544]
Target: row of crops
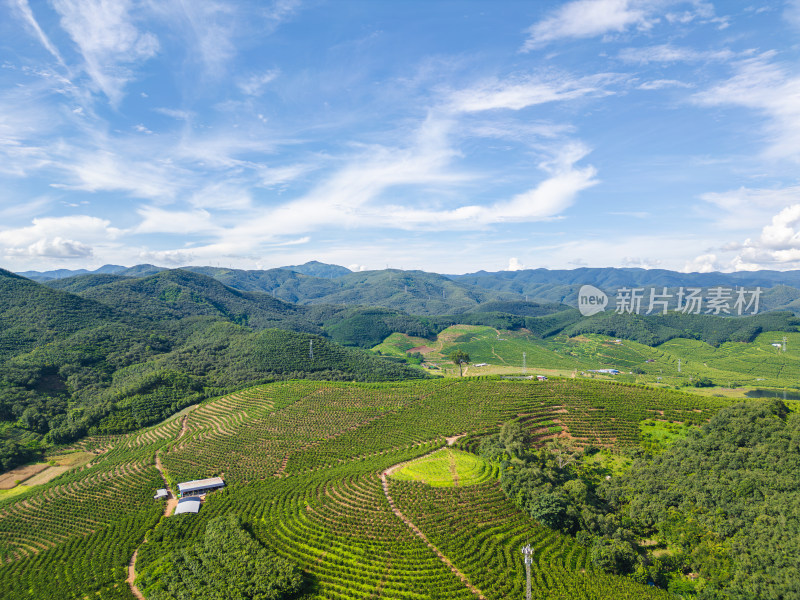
[482, 534]
[303, 462]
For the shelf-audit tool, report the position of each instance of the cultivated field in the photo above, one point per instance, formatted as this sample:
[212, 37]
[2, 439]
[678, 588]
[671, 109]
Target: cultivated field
[673, 363]
[305, 463]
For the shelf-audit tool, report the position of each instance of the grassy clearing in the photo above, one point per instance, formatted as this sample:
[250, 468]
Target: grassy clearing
[15, 491]
[604, 464]
[447, 468]
[657, 435]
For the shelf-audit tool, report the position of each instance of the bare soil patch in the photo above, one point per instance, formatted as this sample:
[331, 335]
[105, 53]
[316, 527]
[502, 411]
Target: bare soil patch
[9, 479]
[47, 475]
[421, 349]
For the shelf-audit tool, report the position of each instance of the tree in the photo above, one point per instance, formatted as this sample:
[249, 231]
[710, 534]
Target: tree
[459, 357]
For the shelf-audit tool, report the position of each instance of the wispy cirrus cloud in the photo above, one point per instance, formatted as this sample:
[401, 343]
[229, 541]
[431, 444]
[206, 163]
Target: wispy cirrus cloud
[667, 53]
[23, 8]
[660, 84]
[108, 39]
[769, 88]
[254, 84]
[591, 18]
[588, 18]
[521, 93]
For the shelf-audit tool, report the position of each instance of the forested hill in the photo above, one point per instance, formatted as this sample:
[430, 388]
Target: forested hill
[33, 315]
[177, 293]
[71, 365]
[725, 501]
[414, 292]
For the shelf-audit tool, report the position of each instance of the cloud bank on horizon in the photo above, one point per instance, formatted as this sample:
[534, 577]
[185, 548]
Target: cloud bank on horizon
[443, 136]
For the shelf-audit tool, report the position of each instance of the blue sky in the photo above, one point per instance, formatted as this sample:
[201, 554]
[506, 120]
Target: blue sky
[448, 136]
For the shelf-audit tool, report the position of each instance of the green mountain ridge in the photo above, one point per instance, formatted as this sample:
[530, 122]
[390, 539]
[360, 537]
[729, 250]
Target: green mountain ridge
[422, 293]
[141, 349]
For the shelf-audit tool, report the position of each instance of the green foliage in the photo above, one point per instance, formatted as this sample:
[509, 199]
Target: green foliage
[614, 556]
[228, 564]
[725, 498]
[656, 329]
[460, 358]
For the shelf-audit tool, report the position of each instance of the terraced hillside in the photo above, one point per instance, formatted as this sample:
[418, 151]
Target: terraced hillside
[305, 463]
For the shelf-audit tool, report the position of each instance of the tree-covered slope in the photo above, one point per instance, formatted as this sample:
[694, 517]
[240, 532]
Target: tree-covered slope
[725, 501]
[657, 329]
[177, 294]
[33, 315]
[144, 348]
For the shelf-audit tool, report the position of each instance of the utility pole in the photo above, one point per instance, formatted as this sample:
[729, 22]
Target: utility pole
[528, 552]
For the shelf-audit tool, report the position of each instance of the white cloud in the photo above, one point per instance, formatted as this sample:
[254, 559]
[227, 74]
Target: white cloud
[745, 208]
[545, 201]
[660, 84]
[52, 248]
[54, 237]
[180, 115]
[95, 171]
[357, 268]
[791, 12]
[516, 95]
[769, 89]
[782, 233]
[592, 18]
[255, 84]
[588, 18]
[158, 220]
[26, 13]
[108, 40]
[705, 263]
[514, 265]
[174, 258]
[777, 246]
[275, 176]
[297, 242]
[668, 53]
[223, 196]
[640, 262]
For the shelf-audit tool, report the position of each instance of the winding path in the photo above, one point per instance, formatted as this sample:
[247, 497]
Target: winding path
[169, 507]
[410, 524]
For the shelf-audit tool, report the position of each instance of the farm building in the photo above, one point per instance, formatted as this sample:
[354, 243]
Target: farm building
[190, 504]
[200, 486]
[541, 378]
[161, 494]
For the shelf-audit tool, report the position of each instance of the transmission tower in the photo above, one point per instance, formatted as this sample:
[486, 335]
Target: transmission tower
[528, 552]
[311, 349]
[679, 365]
[524, 363]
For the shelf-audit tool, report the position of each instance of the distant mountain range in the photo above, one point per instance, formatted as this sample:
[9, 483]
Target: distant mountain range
[422, 293]
[313, 268]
